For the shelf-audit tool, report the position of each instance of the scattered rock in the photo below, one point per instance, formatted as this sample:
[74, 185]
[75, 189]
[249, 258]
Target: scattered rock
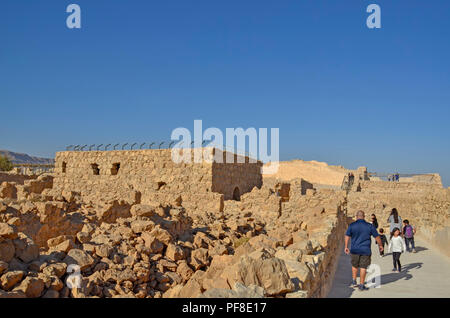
[10, 279]
[80, 258]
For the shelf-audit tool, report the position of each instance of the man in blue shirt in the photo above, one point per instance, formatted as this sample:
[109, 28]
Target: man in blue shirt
[360, 232]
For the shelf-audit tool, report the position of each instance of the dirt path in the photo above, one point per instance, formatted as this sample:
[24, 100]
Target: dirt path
[424, 274]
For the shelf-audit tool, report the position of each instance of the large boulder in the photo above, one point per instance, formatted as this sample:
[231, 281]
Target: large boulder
[25, 249]
[199, 258]
[139, 226]
[260, 269]
[175, 252]
[10, 279]
[32, 287]
[139, 210]
[113, 210]
[80, 258]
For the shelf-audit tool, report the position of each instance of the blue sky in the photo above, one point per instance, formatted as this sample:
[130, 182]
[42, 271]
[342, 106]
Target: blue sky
[338, 91]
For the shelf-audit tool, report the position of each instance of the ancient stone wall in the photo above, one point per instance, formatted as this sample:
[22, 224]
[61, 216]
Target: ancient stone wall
[432, 178]
[95, 172]
[14, 177]
[100, 174]
[235, 179]
[386, 186]
[28, 190]
[315, 172]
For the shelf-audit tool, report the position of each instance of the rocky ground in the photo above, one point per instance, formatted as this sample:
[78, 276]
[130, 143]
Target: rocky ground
[265, 245]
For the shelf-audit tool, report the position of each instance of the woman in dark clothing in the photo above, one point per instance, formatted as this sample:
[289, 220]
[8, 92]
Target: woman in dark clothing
[374, 221]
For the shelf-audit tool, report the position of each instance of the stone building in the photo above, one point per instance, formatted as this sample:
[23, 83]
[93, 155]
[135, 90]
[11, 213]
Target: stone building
[152, 171]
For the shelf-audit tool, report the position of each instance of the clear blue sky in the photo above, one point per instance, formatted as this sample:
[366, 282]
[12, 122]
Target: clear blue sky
[338, 91]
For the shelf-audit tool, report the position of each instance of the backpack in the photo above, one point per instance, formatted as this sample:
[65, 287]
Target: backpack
[409, 233]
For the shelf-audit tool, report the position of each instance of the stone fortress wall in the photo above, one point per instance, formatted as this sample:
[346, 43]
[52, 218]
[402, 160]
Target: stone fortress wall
[315, 172]
[14, 177]
[432, 178]
[235, 179]
[107, 173]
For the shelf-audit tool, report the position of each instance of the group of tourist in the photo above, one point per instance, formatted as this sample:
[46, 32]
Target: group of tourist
[394, 177]
[359, 232]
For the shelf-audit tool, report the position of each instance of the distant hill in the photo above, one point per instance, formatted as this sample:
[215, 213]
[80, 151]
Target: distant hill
[23, 158]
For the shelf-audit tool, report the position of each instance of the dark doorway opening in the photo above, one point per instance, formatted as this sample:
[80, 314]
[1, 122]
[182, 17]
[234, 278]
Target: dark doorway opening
[236, 194]
[95, 169]
[115, 169]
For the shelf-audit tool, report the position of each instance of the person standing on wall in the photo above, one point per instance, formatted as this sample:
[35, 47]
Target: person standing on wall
[360, 232]
[395, 221]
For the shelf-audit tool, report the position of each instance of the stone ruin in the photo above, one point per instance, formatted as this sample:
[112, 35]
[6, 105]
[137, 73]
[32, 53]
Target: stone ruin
[139, 225]
[152, 173]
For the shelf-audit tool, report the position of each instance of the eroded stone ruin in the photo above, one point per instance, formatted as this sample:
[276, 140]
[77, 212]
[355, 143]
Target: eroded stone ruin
[138, 225]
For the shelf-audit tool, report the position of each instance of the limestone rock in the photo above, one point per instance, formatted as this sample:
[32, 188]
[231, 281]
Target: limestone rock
[10, 279]
[103, 250]
[239, 291]
[7, 251]
[32, 287]
[7, 232]
[56, 269]
[140, 226]
[199, 258]
[175, 252]
[25, 249]
[266, 271]
[185, 271]
[83, 237]
[80, 258]
[152, 243]
[3, 267]
[51, 294]
[139, 210]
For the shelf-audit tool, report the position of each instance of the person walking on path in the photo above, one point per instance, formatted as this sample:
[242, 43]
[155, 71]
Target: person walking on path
[383, 240]
[374, 221]
[395, 221]
[397, 247]
[360, 232]
[408, 233]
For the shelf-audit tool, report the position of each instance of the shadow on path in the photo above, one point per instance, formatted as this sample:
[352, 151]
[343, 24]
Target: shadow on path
[404, 274]
[420, 249]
